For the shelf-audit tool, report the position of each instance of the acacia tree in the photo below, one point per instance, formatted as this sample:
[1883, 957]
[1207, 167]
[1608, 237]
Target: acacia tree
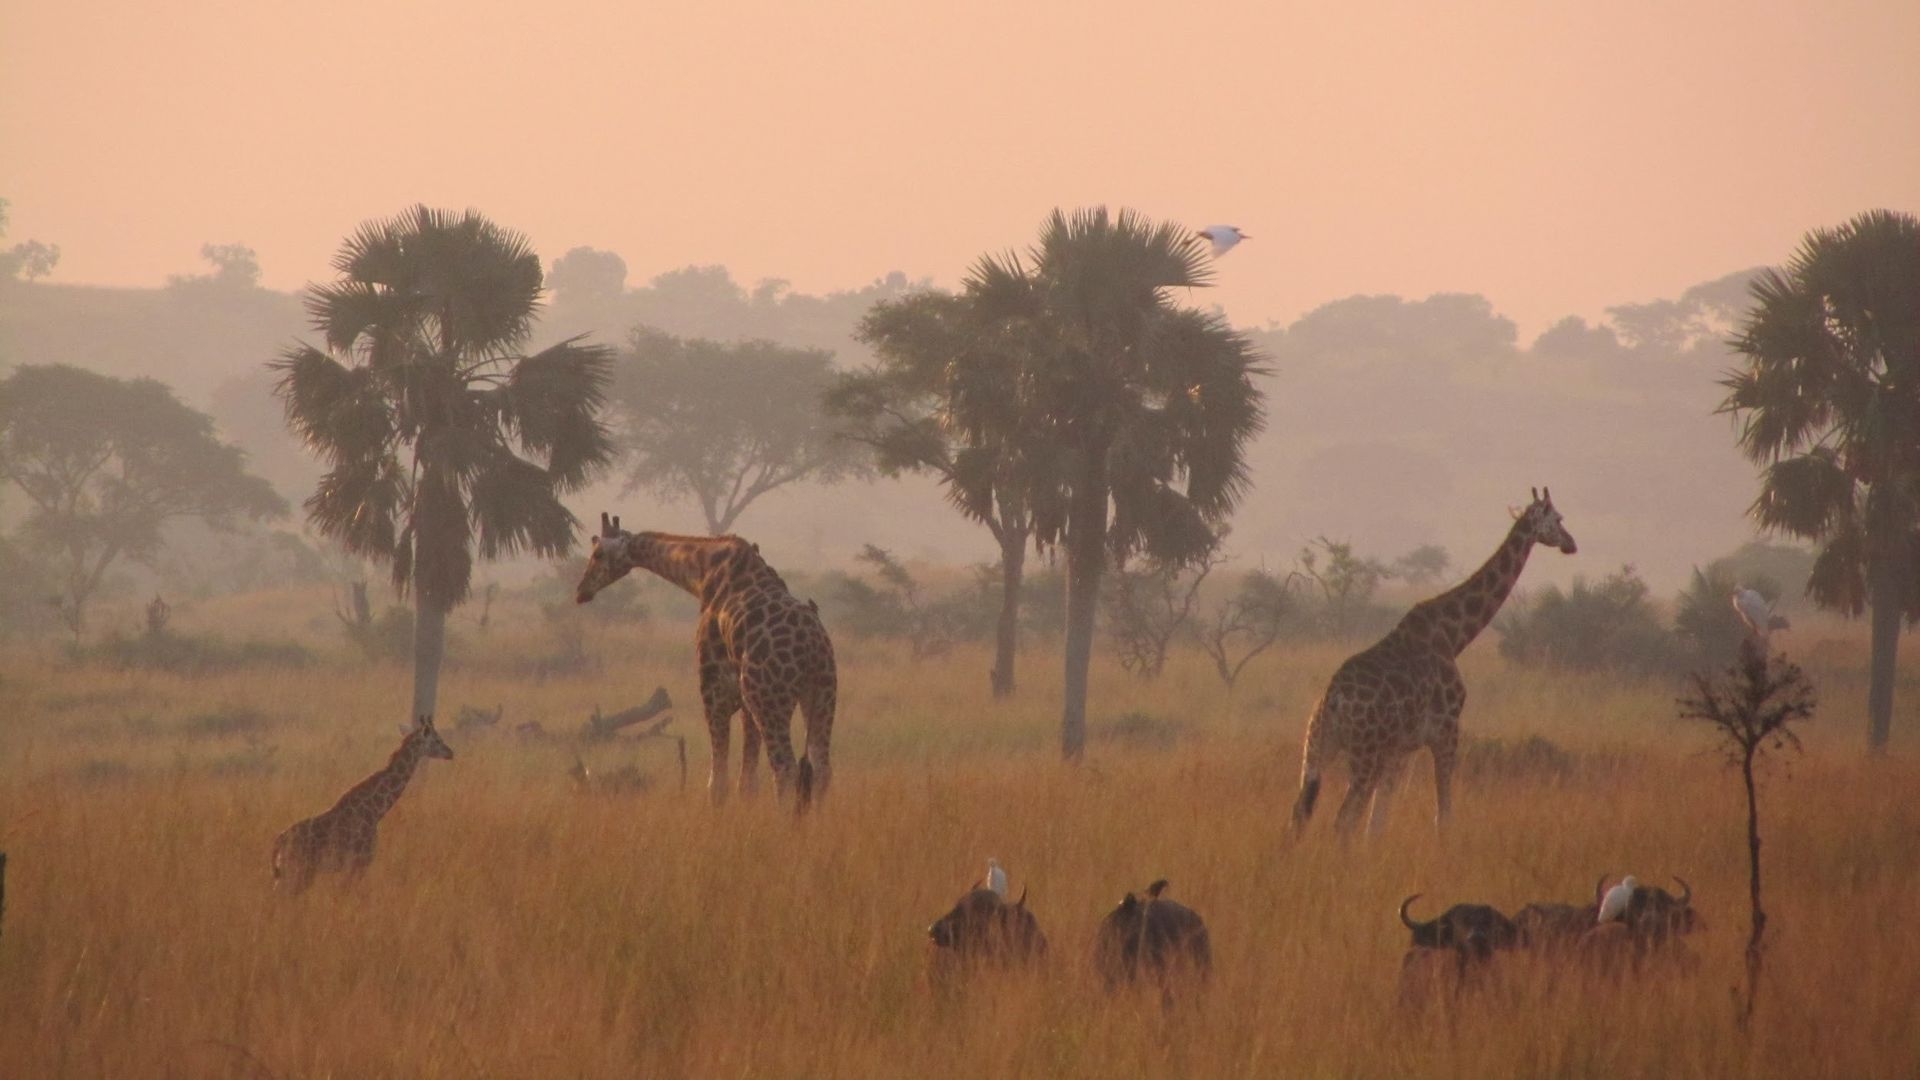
[1829, 400]
[724, 423]
[106, 462]
[1148, 608]
[1247, 623]
[1752, 708]
[1146, 405]
[944, 399]
[443, 440]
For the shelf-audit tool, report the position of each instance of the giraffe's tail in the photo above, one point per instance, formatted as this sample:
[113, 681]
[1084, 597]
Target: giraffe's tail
[803, 787]
[1311, 759]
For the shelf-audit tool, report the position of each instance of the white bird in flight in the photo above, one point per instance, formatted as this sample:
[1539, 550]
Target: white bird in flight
[1756, 613]
[1615, 904]
[996, 878]
[1223, 237]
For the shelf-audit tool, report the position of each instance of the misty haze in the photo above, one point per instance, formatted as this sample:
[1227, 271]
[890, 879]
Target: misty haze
[1249, 512]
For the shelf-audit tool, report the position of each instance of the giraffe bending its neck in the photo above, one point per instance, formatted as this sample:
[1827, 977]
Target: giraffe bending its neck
[343, 837]
[761, 651]
[1405, 691]
[686, 561]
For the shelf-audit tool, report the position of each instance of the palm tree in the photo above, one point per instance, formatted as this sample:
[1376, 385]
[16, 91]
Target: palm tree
[443, 441]
[1830, 403]
[944, 399]
[1147, 406]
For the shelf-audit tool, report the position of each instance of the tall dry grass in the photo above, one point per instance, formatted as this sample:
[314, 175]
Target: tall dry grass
[510, 927]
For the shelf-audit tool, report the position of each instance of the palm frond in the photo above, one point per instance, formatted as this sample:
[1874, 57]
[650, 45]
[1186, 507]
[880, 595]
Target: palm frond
[335, 410]
[514, 511]
[553, 402]
[1809, 496]
[358, 502]
[1839, 578]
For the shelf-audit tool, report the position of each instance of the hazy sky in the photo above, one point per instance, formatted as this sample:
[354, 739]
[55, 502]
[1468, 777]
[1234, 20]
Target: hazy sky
[1556, 156]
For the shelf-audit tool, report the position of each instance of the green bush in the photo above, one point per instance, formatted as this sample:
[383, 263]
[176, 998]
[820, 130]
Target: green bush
[1608, 626]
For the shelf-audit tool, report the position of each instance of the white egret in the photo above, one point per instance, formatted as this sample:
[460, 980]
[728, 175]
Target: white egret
[1614, 906]
[1756, 613]
[996, 878]
[1223, 238]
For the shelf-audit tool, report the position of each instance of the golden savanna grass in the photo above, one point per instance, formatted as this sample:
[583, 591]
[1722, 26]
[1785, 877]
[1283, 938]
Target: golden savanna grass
[510, 927]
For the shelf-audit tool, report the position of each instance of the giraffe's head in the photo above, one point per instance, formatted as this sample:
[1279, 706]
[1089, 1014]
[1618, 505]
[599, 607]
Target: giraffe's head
[428, 739]
[1544, 524]
[608, 562]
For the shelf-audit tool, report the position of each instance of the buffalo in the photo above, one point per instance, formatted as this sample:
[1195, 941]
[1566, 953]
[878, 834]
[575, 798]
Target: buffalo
[1655, 915]
[1648, 931]
[1151, 936]
[1553, 927]
[1462, 926]
[1436, 975]
[983, 926]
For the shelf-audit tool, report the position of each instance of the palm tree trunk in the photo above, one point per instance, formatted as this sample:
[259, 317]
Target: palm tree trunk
[429, 648]
[1884, 606]
[1013, 564]
[1086, 562]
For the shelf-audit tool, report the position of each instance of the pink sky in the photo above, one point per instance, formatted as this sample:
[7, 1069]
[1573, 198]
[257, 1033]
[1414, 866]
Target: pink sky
[1557, 157]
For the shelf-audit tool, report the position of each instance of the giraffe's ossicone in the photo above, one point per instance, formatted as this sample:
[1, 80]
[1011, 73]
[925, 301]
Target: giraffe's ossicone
[1405, 692]
[761, 651]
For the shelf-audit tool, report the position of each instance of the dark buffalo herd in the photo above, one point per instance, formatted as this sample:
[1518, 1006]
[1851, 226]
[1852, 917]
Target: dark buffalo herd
[1152, 939]
[1467, 942]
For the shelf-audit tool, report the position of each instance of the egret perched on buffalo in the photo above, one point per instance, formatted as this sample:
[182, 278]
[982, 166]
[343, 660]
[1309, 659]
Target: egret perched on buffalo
[996, 879]
[1614, 906]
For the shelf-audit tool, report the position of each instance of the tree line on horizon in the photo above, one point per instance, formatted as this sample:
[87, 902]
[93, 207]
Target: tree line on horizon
[1063, 397]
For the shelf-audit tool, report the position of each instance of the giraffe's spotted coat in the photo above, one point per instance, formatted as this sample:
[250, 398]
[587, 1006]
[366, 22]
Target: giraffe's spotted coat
[342, 838]
[761, 651]
[1405, 691]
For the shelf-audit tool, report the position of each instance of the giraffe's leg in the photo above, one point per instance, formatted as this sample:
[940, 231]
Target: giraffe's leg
[1445, 742]
[1366, 776]
[1313, 757]
[770, 706]
[1390, 779]
[1445, 748]
[749, 756]
[720, 697]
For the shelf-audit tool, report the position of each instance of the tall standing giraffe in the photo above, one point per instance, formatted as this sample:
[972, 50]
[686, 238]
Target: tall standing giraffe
[760, 649]
[1405, 691]
[342, 838]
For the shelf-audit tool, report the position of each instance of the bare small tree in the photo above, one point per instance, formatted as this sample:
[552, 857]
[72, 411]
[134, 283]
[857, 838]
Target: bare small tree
[1752, 706]
[1148, 608]
[1247, 624]
[1346, 580]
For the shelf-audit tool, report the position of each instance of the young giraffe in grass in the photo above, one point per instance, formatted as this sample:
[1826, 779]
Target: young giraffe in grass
[342, 838]
[760, 650]
[1405, 691]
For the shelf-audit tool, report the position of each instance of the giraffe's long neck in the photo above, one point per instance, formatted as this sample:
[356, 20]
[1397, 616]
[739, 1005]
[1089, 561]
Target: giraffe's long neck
[683, 560]
[1454, 618]
[375, 795]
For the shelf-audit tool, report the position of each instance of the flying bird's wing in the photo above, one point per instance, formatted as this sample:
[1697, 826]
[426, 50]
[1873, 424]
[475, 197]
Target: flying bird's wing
[1222, 237]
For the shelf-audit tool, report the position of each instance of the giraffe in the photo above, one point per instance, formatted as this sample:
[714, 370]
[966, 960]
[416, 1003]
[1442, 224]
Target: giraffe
[1405, 691]
[342, 838]
[760, 650]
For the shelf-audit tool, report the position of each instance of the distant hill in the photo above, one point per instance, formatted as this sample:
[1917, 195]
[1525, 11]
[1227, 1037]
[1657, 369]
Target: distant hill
[1392, 422]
